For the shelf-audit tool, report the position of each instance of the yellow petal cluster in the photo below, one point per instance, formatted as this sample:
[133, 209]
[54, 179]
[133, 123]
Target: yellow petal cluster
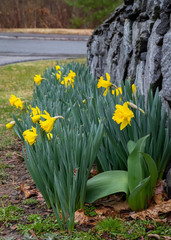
[38, 79]
[16, 101]
[123, 115]
[47, 125]
[69, 80]
[10, 124]
[30, 135]
[134, 89]
[12, 99]
[35, 115]
[58, 67]
[104, 83]
[58, 74]
[117, 91]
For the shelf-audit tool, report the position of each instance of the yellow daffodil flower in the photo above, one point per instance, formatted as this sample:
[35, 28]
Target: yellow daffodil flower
[134, 89]
[35, 115]
[18, 103]
[12, 99]
[30, 135]
[104, 83]
[58, 67]
[84, 101]
[117, 91]
[35, 118]
[35, 111]
[123, 115]
[58, 76]
[38, 79]
[69, 80]
[49, 136]
[48, 124]
[72, 74]
[10, 124]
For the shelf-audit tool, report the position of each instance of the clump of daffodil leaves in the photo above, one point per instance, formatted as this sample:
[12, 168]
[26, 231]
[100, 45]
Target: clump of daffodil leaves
[74, 121]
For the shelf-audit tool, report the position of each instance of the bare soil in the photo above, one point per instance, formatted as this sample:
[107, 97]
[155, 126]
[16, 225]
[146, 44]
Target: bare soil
[13, 186]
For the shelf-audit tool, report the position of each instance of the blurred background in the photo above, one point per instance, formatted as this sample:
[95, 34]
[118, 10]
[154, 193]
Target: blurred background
[55, 13]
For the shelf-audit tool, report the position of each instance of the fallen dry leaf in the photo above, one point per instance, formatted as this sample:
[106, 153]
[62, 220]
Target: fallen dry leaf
[110, 200]
[153, 236]
[32, 233]
[40, 197]
[153, 211]
[81, 218]
[159, 192]
[121, 206]
[158, 198]
[27, 191]
[167, 238]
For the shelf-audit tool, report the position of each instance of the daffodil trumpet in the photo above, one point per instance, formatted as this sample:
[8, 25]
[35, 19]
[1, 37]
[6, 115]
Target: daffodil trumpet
[47, 125]
[123, 115]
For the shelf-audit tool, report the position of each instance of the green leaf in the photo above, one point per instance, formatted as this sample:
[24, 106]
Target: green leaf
[135, 171]
[131, 145]
[138, 199]
[106, 183]
[152, 172]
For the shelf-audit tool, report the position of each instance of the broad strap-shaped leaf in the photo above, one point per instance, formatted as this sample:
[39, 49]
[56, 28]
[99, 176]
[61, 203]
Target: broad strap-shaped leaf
[138, 198]
[106, 183]
[135, 171]
[152, 172]
[131, 145]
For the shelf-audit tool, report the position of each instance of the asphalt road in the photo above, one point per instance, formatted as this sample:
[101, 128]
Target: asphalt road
[19, 47]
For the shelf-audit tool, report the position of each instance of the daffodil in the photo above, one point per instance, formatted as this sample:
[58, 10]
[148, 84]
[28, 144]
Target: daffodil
[104, 83]
[18, 103]
[134, 89]
[69, 80]
[117, 91]
[58, 67]
[38, 79]
[12, 99]
[30, 135]
[10, 124]
[35, 115]
[123, 115]
[47, 125]
[35, 118]
[58, 76]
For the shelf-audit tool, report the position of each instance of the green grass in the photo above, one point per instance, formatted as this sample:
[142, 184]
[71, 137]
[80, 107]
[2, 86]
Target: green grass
[135, 229]
[30, 201]
[10, 213]
[17, 79]
[38, 224]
